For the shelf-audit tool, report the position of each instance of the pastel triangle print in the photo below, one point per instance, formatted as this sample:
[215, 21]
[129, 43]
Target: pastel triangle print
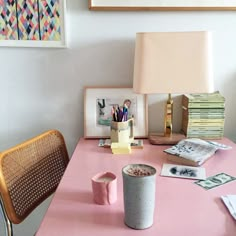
[31, 20]
[8, 20]
[49, 12]
[28, 23]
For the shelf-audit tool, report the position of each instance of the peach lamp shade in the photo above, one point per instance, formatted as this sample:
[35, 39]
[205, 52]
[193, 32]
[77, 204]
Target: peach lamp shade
[173, 62]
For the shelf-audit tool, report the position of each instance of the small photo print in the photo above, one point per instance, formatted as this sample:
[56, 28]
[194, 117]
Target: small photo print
[181, 171]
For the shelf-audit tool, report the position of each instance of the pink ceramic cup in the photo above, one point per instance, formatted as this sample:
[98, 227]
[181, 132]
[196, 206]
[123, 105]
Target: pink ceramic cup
[104, 187]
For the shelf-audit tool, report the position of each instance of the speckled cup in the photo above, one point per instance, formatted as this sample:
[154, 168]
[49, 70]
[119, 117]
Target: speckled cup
[139, 197]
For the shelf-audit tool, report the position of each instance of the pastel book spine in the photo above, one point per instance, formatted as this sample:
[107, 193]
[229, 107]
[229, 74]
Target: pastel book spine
[206, 100]
[206, 133]
[204, 97]
[204, 124]
[204, 104]
[202, 115]
[206, 137]
[204, 111]
[208, 121]
[203, 129]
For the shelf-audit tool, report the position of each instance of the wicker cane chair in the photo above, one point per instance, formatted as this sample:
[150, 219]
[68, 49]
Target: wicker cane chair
[29, 173]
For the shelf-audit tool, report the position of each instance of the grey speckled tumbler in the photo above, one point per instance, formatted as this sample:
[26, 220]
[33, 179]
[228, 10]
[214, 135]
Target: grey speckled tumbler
[139, 187]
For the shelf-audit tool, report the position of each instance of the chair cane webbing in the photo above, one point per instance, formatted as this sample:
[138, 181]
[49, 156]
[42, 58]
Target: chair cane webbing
[31, 172]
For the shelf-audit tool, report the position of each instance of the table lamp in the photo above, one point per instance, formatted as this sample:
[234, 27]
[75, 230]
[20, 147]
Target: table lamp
[172, 62]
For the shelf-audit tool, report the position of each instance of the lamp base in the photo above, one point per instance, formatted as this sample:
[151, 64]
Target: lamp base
[160, 139]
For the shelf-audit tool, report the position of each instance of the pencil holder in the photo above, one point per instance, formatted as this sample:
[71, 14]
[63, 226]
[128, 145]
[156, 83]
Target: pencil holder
[122, 132]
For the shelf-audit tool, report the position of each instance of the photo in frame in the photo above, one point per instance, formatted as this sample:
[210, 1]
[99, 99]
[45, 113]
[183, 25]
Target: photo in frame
[169, 5]
[38, 23]
[98, 103]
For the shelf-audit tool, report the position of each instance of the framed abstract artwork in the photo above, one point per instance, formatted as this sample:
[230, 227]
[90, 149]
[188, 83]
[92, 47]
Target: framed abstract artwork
[32, 23]
[165, 5]
[98, 103]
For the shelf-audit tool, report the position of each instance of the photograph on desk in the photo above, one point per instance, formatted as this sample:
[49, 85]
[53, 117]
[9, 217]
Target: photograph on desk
[109, 107]
[180, 171]
[103, 104]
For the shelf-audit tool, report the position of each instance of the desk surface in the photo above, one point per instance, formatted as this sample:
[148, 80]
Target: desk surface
[182, 208]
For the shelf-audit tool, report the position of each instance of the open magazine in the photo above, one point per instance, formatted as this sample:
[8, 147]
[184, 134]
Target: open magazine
[194, 151]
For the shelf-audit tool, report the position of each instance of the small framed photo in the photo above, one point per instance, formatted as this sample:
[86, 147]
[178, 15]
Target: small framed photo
[98, 103]
[180, 171]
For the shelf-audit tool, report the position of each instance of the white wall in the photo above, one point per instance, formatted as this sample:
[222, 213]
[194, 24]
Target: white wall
[43, 88]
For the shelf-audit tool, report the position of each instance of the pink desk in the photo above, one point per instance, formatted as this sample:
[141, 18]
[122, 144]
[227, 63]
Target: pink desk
[182, 208]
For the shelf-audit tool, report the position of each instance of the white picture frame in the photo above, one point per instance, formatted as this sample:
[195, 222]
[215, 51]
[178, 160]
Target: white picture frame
[169, 5]
[62, 43]
[97, 121]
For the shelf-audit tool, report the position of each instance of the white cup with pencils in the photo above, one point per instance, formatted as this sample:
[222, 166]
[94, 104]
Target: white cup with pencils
[122, 131]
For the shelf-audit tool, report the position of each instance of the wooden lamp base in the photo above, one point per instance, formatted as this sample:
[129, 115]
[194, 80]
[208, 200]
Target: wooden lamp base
[160, 139]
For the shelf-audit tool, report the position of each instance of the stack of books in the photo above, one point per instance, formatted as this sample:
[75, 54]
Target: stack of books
[203, 115]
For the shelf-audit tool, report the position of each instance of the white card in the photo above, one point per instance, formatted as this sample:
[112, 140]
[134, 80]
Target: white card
[181, 171]
[230, 202]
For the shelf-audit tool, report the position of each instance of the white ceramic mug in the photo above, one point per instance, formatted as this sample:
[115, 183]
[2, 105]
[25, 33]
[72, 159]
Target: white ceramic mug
[122, 132]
